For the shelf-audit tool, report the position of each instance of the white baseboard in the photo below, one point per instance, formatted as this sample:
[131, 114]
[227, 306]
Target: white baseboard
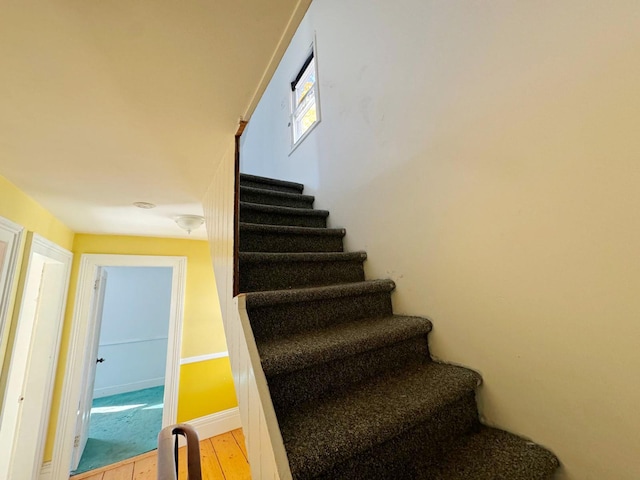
[45, 471]
[215, 424]
[127, 387]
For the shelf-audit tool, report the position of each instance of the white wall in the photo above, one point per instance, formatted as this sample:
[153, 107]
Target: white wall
[486, 155]
[135, 325]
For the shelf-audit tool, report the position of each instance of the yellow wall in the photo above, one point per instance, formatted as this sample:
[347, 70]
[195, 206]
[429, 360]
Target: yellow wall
[205, 387]
[24, 210]
[202, 331]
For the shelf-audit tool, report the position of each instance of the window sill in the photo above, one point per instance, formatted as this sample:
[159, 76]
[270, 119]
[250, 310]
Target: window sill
[304, 135]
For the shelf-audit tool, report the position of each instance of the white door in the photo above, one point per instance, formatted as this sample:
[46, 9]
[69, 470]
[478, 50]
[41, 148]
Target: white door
[89, 376]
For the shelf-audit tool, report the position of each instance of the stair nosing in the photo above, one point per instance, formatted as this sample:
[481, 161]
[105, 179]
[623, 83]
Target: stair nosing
[301, 295]
[292, 257]
[271, 181]
[291, 229]
[277, 193]
[451, 462]
[263, 207]
[406, 327]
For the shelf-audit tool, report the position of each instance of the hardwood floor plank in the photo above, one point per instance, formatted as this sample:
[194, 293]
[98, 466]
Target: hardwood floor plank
[146, 469]
[232, 460]
[182, 463]
[211, 469]
[97, 476]
[123, 472]
[239, 436]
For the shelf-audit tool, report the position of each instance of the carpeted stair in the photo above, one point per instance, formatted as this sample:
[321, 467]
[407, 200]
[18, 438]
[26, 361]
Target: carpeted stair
[356, 393]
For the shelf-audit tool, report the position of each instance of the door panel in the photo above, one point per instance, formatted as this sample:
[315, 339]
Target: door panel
[89, 376]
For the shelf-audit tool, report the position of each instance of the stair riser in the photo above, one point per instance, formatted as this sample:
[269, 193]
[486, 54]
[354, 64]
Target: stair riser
[406, 456]
[293, 388]
[280, 275]
[283, 242]
[268, 186]
[266, 218]
[286, 319]
[266, 199]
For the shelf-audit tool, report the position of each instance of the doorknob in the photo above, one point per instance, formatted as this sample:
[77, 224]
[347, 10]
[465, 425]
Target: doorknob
[100, 360]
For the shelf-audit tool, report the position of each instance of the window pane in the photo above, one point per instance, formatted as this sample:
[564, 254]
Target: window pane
[305, 115]
[306, 82]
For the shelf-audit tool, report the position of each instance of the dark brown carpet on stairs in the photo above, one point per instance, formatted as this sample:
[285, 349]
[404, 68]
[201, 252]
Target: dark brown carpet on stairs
[356, 393]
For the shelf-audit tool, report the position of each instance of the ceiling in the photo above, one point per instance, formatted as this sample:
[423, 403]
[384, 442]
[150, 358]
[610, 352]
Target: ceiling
[109, 102]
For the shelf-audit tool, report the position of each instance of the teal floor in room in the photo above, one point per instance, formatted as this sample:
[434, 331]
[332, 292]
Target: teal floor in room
[122, 426]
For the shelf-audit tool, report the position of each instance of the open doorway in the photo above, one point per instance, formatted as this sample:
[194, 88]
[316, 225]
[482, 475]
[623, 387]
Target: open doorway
[127, 395]
[84, 344]
[34, 342]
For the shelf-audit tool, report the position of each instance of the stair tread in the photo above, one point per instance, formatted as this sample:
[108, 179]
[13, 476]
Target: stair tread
[284, 210]
[264, 257]
[271, 181]
[492, 454]
[329, 430]
[277, 193]
[259, 227]
[295, 295]
[286, 354]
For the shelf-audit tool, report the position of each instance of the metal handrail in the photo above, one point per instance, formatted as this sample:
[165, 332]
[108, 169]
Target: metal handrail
[168, 463]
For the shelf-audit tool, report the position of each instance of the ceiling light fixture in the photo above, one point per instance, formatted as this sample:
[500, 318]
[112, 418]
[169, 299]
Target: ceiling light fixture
[145, 205]
[189, 222]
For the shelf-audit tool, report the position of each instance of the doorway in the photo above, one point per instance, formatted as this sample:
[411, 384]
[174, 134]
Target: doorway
[84, 348]
[34, 345]
[125, 390]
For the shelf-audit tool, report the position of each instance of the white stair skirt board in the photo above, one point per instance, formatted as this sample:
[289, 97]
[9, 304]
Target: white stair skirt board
[127, 387]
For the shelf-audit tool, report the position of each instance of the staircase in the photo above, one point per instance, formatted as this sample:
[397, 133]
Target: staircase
[355, 391]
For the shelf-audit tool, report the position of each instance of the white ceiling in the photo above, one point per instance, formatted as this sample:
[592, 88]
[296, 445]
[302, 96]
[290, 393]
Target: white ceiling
[108, 102]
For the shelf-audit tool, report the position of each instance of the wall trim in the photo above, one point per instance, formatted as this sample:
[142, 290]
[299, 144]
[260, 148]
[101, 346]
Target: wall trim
[12, 234]
[45, 471]
[203, 358]
[215, 424]
[128, 387]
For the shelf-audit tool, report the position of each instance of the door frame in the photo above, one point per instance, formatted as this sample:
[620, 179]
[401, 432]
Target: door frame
[11, 233]
[80, 341]
[56, 255]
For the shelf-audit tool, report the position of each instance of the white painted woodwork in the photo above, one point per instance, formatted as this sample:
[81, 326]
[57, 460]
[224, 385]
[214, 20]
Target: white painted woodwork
[89, 375]
[267, 456]
[35, 348]
[82, 334]
[10, 238]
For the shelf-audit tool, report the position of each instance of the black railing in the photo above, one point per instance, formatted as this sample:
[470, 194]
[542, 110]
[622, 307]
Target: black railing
[168, 452]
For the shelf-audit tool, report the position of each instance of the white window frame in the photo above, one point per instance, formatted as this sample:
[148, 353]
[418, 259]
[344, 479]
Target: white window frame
[310, 98]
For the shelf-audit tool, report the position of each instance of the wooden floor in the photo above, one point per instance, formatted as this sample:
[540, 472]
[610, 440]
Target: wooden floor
[223, 458]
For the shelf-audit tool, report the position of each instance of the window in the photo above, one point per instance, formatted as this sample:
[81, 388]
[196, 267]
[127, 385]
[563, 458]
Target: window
[304, 108]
